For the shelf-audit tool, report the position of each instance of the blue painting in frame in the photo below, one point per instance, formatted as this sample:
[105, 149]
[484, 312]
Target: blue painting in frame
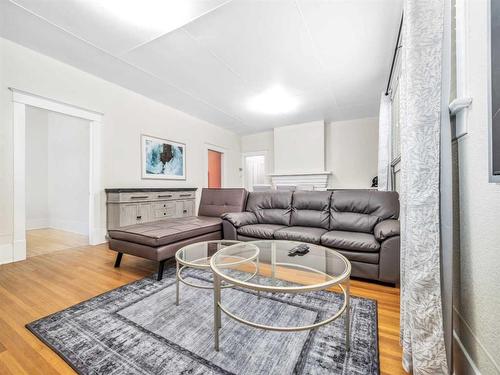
[163, 159]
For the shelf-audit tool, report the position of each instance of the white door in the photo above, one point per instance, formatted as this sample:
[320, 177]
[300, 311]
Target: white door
[254, 171]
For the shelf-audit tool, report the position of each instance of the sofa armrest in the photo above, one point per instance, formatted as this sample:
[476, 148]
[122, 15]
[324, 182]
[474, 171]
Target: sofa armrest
[389, 268]
[239, 219]
[386, 229]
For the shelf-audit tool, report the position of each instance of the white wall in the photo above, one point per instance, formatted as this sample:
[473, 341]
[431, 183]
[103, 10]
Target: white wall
[127, 115]
[477, 278]
[352, 153]
[300, 148]
[351, 149]
[37, 209]
[57, 171]
[68, 173]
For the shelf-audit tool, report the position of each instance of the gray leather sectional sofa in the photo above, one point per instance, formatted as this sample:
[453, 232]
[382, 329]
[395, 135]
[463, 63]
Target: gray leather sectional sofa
[361, 224]
[160, 240]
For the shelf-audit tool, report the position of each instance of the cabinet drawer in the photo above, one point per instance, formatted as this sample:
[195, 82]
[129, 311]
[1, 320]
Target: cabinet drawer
[134, 197]
[163, 195]
[163, 210]
[184, 194]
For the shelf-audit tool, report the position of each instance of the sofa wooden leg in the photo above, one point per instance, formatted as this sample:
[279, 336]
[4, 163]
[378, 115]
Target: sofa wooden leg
[118, 259]
[161, 266]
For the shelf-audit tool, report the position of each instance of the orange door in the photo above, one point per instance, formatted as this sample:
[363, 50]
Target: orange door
[214, 169]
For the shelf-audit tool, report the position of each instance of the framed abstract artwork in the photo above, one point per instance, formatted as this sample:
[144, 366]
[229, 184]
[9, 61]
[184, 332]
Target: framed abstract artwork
[163, 159]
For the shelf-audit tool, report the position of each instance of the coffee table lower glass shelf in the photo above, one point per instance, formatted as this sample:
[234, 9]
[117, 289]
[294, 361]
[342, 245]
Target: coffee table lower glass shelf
[277, 271]
[198, 256]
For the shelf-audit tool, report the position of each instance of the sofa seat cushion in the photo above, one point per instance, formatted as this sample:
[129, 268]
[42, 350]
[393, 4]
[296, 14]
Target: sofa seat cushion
[164, 232]
[303, 234]
[354, 241]
[260, 230]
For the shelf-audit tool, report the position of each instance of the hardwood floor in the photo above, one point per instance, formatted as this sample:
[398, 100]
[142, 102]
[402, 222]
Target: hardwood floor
[48, 240]
[48, 283]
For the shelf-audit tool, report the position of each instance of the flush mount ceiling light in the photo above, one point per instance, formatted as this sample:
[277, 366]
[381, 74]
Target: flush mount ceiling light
[275, 100]
[156, 15]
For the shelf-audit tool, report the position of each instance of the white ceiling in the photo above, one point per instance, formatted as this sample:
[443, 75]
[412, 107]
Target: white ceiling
[209, 57]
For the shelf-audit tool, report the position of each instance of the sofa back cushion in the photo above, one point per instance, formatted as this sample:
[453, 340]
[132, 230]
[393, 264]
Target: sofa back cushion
[270, 207]
[215, 202]
[361, 210]
[311, 209]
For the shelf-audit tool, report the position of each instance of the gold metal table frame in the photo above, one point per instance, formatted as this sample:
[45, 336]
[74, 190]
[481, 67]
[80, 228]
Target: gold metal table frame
[219, 277]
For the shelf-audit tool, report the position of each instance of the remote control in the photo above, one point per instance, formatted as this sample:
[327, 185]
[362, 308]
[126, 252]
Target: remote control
[300, 250]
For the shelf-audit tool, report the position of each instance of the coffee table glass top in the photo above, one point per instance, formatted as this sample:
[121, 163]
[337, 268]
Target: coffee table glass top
[312, 267]
[198, 255]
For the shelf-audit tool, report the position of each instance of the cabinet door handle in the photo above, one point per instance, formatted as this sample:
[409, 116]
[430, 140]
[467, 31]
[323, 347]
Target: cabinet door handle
[184, 195]
[165, 196]
[139, 197]
[139, 217]
[185, 211]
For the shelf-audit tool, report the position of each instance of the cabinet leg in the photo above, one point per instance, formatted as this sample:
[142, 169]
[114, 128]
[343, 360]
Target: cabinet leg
[118, 259]
[161, 266]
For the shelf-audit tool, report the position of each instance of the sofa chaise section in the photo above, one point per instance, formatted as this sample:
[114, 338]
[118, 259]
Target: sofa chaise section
[159, 240]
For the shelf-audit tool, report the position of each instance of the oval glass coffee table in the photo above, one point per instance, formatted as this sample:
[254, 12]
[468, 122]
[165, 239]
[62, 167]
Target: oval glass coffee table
[317, 268]
[198, 256]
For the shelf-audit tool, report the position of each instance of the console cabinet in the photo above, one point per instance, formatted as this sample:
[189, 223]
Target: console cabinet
[134, 206]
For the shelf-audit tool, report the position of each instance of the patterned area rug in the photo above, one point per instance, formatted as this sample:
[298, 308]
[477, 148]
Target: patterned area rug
[137, 329]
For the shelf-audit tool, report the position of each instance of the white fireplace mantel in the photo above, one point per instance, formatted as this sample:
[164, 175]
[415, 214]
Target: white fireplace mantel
[317, 179]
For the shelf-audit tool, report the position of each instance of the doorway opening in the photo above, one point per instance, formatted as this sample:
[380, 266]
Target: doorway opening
[214, 169]
[254, 170]
[22, 101]
[57, 181]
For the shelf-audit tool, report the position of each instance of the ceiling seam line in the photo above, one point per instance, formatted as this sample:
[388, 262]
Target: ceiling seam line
[245, 82]
[316, 53]
[217, 57]
[177, 28]
[129, 64]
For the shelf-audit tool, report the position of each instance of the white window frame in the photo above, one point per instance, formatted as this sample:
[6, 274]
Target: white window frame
[459, 107]
[491, 177]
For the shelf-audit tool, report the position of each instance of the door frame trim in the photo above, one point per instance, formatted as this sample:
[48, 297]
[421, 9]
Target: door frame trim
[20, 99]
[253, 153]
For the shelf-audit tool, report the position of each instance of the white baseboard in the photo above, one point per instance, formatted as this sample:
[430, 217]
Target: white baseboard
[74, 226]
[98, 236]
[19, 250]
[6, 253]
[463, 363]
[37, 223]
[464, 338]
[13, 252]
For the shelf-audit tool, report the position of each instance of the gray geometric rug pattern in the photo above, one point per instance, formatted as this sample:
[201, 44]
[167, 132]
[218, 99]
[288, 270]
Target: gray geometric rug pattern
[137, 329]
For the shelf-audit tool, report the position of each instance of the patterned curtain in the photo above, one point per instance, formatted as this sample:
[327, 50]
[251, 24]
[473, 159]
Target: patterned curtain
[384, 143]
[421, 104]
